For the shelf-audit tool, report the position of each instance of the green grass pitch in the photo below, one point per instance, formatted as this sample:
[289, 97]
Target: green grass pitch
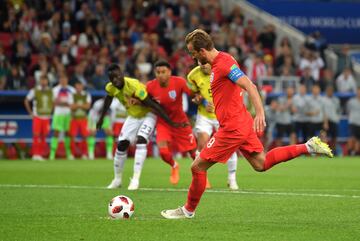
[305, 199]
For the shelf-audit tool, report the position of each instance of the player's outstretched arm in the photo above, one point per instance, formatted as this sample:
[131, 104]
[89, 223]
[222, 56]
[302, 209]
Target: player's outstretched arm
[105, 108]
[156, 107]
[259, 120]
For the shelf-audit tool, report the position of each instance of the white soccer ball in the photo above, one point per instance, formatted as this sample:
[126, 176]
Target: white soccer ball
[121, 207]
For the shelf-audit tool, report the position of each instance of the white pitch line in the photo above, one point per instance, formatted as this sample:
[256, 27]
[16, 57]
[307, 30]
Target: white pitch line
[261, 192]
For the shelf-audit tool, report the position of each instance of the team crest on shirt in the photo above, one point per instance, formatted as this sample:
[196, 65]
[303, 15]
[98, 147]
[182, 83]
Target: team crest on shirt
[211, 77]
[172, 94]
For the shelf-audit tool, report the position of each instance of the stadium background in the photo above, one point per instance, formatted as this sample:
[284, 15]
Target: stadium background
[83, 37]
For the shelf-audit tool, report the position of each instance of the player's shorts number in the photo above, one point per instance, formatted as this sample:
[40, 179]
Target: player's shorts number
[146, 129]
[210, 142]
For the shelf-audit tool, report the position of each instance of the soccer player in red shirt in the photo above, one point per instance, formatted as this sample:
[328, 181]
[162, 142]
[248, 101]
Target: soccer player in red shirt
[238, 130]
[167, 90]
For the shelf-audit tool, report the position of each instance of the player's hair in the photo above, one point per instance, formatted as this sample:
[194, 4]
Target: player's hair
[199, 39]
[113, 67]
[162, 63]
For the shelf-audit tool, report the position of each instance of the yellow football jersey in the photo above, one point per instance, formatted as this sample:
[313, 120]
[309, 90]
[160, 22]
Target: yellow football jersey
[200, 82]
[132, 88]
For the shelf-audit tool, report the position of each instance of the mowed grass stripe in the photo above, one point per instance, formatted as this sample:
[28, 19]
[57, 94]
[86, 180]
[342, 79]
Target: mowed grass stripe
[260, 192]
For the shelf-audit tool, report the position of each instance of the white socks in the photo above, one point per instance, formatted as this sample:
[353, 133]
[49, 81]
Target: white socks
[119, 160]
[232, 166]
[140, 156]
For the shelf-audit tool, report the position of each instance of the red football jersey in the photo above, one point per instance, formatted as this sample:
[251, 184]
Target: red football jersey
[170, 97]
[227, 95]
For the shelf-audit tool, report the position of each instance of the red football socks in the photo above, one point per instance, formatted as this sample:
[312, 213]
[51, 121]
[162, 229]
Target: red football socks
[36, 145]
[166, 155]
[196, 190]
[283, 154]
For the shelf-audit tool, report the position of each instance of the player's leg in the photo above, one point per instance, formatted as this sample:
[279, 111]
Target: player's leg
[91, 141]
[44, 134]
[203, 130]
[127, 136]
[73, 131]
[36, 146]
[167, 156]
[145, 131]
[332, 133]
[116, 128]
[84, 132]
[67, 139]
[109, 140]
[232, 166]
[197, 187]
[163, 138]
[56, 127]
[218, 149]
[261, 161]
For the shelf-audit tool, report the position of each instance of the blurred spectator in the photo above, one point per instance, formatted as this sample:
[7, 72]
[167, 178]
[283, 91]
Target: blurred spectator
[178, 35]
[307, 79]
[315, 111]
[250, 34]
[165, 30]
[21, 56]
[271, 117]
[267, 38]
[43, 68]
[255, 67]
[353, 110]
[312, 60]
[46, 45]
[285, 59]
[327, 80]
[78, 76]
[318, 43]
[345, 82]
[99, 79]
[344, 59]
[268, 61]
[64, 54]
[332, 115]
[4, 69]
[16, 79]
[300, 118]
[284, 123]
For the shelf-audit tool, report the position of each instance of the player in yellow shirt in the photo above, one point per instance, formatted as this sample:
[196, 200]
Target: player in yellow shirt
[206, 122]
[138, 126]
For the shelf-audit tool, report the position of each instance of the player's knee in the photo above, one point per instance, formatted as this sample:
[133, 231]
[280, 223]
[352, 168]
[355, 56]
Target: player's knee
[123, 145]
[259, 168]
[195, 165]
[141, 140]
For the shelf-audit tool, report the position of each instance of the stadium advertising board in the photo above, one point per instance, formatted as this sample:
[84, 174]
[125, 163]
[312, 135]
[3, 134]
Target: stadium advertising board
[339, 22]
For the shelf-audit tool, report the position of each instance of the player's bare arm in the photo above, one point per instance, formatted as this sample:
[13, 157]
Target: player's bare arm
[85, 106]
[156, 107]
[259, 120]
[27, 107]
[197, 99]
[105, 108]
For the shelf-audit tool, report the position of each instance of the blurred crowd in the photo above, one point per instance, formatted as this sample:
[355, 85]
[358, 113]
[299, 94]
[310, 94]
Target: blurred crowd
[80, 38]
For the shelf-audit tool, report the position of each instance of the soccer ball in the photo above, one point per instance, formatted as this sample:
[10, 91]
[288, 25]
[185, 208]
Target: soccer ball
[121, 207]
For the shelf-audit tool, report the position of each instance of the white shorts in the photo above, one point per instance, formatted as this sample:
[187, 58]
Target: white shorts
[134, 127]
[205, 124]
